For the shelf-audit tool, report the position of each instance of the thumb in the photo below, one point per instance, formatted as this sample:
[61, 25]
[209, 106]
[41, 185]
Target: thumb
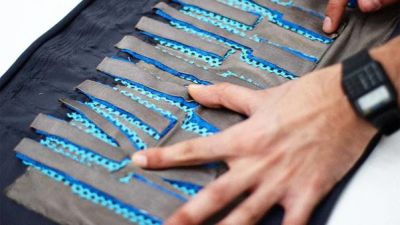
[236, 98]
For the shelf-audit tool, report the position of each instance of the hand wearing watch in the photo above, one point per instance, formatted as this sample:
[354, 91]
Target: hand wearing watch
[371, 92]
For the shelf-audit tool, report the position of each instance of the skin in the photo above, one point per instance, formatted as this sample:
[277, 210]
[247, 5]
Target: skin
[299, 140]
[336, 8]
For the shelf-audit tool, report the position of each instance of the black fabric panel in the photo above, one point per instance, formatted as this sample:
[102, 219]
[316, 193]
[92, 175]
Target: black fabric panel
[64, 57]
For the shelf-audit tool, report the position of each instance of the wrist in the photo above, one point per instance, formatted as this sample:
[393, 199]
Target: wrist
[342, 116]
[388, 56]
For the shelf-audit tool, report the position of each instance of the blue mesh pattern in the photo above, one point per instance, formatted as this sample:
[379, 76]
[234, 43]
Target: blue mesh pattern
[188, 58]
[81, 155]
[78, 119]
[246, 56]
[190, 11]
[130, 213]
[187, 188]
[100, 107]
[208, 58]
[115, 119]
[192, 123]
[149, 105]
[277, 18]
[165, 68]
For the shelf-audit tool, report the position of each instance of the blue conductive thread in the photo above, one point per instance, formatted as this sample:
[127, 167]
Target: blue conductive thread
[148, 182]
[78, 120]
[87, 192]
[161, 66]
[293, 51]
[248, 57]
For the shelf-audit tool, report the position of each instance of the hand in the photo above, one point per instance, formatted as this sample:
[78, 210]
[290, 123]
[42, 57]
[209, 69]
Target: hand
[336, 8]
[299, 140]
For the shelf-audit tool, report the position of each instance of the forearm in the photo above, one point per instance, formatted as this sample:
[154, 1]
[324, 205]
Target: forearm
[389, 56]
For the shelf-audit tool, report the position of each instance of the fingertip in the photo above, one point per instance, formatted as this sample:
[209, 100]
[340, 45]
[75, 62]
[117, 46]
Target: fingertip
[327, 25]
[140, 159]
[193, 88]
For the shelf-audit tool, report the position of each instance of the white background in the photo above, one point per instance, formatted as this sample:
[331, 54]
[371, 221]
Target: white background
[373, 196]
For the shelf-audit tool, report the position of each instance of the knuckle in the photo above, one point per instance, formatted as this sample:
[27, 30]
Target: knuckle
[155, 158]
[216, 194]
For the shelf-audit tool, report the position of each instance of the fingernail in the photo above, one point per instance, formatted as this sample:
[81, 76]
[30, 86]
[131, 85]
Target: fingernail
[372, 4]
[139, 160]
[327, 27]
[196, 86]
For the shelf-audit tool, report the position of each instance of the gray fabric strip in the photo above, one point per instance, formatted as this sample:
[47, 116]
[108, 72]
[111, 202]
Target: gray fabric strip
[221, 118]
[134, 44]
[161, 104]
[234, 64]
[274, 33]
[130, 71]
[224, 10]
[295, 15]
[166, 31]
[101, 122]
[133, 193]
[161, 75]
[316, 6]
[105, 93]
[55, 200]
[62, 129]
[263, 51]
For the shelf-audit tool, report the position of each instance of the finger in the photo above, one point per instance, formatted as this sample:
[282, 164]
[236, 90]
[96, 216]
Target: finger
[254, 207]
[299, 210]
[374, 5]
[236, 98]
[334, 13]
[193, 152]
[212, 199]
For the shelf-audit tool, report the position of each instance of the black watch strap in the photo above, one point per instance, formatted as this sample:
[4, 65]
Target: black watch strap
[370, 92]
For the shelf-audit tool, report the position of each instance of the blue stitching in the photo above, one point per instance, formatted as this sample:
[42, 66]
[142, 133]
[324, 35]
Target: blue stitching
[69, 180]
[142, 179]
[161, 66]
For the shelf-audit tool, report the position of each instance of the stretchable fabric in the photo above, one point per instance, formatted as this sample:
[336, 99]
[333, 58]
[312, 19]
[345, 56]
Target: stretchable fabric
[129, 71]
[126, 70]
[80, 172]
[52, 126]
[270, 32]
[101, 122]
[160, 205]
[107, 94]
[266, 52]
[150, 54]
[163, 30]
[224, 10]
[295, 15]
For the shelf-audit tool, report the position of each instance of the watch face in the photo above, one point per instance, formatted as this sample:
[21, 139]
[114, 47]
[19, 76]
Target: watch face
[373, 100]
